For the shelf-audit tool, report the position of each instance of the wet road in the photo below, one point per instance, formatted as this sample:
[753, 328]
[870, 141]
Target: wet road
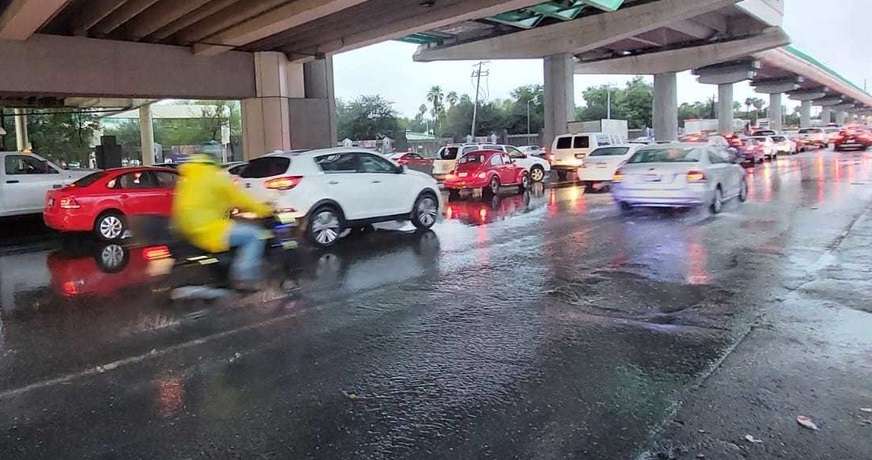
[538, 325]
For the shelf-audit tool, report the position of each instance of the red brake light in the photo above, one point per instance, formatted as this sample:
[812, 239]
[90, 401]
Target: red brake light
[696, 176]
[156, 253]
[618, 176]
[69, 202]
[283, 183]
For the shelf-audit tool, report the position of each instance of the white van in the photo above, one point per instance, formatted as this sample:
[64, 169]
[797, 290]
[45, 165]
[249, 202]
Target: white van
[568, 151]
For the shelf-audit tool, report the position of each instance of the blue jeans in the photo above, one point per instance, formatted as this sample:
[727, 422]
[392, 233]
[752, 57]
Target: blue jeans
[250, 246]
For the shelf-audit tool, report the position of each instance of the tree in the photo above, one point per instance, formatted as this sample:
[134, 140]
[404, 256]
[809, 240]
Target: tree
[57, 133]
[633, 103]
[451, 98]
[368, 118]
[435, 97]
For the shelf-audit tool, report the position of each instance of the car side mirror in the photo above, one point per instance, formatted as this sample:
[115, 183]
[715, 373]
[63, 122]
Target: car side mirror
[401, 169]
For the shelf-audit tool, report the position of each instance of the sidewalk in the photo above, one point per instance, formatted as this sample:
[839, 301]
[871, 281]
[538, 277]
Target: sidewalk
[809, 354]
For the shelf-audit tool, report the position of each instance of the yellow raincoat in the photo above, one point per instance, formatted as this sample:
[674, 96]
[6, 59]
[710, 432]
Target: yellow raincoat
[203, 199]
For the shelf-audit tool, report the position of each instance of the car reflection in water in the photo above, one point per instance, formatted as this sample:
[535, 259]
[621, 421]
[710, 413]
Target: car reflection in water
[472, 211]
[97, 270]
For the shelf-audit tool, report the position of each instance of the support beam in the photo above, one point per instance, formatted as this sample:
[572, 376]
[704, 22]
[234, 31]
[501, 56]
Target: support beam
[805, 114]
[91, 13]
[725, 108]
[731, 73]
[318, 80]
[22, 18]
[162, 13]
[693, 29]
[681, 59]
[270, 23]
[775, 112]
[146, 135]
[205, 11]
[808, 94]
[559, 96]
[58, 66]
[779, 85]
[22, 141]
[578, 36]
[127, 11]
[666, 107]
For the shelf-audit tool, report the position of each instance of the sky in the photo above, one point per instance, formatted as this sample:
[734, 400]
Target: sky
[834, 32]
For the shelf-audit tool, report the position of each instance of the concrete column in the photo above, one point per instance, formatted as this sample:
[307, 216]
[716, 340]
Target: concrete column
[826, 115]
[146, 135]
[775, 112]
[21, 138]
[725, 108]
[805, 114]
[559, 95]
[266, 123]
[840, 117]
[666, 106]
[318, 79]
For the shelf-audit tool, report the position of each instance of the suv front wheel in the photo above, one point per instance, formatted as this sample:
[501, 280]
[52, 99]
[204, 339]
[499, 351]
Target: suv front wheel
[425, 211]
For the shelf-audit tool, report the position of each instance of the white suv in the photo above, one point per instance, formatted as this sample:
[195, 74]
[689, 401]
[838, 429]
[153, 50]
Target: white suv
[569, 151]
[332, 190]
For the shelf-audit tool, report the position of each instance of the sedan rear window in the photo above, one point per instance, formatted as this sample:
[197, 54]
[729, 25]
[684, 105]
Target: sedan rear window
[265, 167]
[610, 151]
[564, 142]
[89, 179]
[666, 155]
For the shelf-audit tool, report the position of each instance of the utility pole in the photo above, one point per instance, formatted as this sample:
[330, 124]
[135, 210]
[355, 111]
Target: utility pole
[477, 74]
[528, 118]
[609, 102]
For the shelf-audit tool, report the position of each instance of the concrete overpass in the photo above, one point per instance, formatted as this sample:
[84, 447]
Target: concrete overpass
[723, 41]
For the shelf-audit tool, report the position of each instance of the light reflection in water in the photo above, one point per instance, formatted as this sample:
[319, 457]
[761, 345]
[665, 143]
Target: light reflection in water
[170, 396]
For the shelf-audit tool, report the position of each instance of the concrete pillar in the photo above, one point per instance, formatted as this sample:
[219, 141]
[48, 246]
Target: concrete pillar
[775, 113]
[841, 116]
[21, 138]
[146, 135]
[826, 115]
[725, 108]
[805, 114]
[318, 80]
[666, 106]
[266, 123]
[559, 95]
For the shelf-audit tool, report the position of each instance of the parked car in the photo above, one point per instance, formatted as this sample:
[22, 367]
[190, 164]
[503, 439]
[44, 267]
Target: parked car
[446, 157]
[413, 160]
[331, 190]
[783, 145]
[488, 170]
[569, 151]
[102, 201]
[752, 151]
[852, 138]
[24, 180]
[679, 175]
[601, 164]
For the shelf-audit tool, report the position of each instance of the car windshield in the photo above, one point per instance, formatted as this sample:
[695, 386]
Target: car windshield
[89, 179]
[666, 155]
[610, 151]
[472, 158]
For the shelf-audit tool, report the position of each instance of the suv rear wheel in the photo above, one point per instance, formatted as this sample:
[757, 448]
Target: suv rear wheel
[325, 226]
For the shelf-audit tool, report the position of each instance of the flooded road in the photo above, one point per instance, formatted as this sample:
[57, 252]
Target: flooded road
[544, 324]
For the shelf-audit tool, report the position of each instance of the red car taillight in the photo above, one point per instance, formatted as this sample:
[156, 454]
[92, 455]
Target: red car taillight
[156, 253]
[283, 183]
[69, 202]
[695, 176]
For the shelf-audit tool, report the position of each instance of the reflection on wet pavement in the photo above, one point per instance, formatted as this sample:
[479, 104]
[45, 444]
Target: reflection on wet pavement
[542, 323]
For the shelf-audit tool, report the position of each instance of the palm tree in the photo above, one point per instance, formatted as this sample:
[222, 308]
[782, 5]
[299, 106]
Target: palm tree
[435, 97]
[452, 99]
[748, 103]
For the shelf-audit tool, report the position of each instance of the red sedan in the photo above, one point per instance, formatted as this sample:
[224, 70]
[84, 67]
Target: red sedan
[102, 201]
[852, 138]
[413, 161]
[488, 170]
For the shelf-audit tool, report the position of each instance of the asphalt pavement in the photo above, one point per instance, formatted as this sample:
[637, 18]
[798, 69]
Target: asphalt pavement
[539, 325]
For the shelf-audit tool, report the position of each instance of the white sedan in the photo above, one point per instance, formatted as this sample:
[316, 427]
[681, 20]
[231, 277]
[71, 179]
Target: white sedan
[331, 190]
[599, 167]
[679, 175]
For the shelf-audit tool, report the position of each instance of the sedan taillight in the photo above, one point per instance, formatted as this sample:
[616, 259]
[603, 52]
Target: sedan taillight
[618, 176]
[69, 202]
[283, 183]
[696, 176]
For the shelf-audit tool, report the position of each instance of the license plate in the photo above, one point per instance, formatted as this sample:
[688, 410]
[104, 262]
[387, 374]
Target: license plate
[652, 178]
[463, 174]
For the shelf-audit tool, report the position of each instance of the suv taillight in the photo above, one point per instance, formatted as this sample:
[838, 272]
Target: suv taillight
[283, 183]
[68, 202]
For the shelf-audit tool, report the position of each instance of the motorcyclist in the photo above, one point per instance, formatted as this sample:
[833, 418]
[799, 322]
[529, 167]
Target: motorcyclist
[204, 198]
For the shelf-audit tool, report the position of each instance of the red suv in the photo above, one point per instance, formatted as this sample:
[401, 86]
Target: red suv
[488, 170]
[102, 201]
